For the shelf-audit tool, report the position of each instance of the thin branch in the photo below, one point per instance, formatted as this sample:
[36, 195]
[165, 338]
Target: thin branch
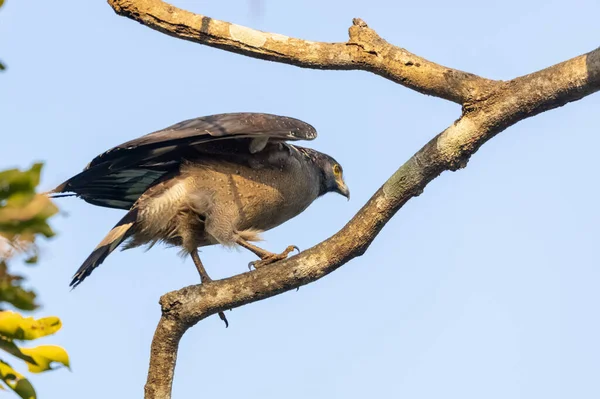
[364, 50]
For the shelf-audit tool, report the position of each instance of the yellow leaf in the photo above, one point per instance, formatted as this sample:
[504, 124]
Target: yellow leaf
[15, 326]
[44, 356]
[16, 381]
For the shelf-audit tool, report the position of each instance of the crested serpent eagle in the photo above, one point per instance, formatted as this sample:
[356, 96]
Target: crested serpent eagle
[219, 179]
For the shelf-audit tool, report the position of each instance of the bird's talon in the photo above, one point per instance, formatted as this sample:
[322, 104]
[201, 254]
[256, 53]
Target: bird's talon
[263, 262]
[287, 251]
[222, 317]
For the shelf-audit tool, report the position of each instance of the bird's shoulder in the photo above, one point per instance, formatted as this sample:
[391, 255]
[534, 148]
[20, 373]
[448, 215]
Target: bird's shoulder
[280, 156]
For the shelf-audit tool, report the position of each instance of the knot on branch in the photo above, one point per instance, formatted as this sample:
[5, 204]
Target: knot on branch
[170, 303]
[364, 37]
[459, 163]
[359, 22]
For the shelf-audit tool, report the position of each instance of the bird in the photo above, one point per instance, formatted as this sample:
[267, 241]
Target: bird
[218, 179]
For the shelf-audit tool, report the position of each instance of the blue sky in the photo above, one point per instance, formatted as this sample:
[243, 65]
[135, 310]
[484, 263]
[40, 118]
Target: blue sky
[484, 286]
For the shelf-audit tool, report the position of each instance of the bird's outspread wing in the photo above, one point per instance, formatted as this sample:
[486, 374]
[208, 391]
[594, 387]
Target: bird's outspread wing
[118, 177]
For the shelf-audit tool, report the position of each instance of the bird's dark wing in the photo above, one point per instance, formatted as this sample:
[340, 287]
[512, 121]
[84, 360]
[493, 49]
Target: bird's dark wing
[118, 177]
[209, 128]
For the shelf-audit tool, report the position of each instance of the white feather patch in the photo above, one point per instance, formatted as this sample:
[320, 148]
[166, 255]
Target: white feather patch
[113, 236]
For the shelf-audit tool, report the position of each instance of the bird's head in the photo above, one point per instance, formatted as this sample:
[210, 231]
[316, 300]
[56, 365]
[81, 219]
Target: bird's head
[332, 176]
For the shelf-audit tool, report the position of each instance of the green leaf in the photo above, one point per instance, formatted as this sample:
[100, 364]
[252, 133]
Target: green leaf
[12, 348]
[12, 292]
[14, 181]
[44, 356]
[15, 326]
[32, 260]
[25, 221]
[23, 217]
[23, 213]
[16, 381]
[2, 66]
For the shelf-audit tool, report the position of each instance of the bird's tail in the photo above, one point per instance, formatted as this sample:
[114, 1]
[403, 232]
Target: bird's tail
[116, 236]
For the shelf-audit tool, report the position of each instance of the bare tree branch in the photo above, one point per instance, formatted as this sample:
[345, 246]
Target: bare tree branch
[163, 355]
[489, 107]
[450, 150]
[364, 50]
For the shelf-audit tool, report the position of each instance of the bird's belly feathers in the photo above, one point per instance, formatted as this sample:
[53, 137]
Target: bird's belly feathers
[208, 204]
[261, 198]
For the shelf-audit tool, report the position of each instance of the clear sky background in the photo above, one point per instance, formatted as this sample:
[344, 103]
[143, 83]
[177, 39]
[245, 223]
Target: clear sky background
[485, 286]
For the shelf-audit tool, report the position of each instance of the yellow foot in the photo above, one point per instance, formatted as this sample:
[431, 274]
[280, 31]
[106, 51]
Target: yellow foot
[272, 258]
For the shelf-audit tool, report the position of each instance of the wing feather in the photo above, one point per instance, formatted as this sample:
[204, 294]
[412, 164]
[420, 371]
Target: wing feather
[214, 127]
[119, 176]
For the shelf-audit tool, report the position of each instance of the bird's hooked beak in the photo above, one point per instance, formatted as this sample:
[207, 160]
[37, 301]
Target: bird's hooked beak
[342, 188]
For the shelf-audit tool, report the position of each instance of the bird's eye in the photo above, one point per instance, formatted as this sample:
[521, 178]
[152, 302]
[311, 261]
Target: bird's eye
[337, 170]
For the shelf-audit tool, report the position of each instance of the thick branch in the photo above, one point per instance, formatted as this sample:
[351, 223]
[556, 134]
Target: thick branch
[488, 108]
[364, 50]
[514, 101]
[163, 355]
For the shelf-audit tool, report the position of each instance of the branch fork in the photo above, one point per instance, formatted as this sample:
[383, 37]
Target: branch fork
[488, 107]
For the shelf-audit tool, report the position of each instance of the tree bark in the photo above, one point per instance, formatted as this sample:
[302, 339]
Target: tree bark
[163, 355]
[364, 50]
[489, 107]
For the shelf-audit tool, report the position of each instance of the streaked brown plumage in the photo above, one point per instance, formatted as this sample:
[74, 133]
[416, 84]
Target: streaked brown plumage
[221, 179]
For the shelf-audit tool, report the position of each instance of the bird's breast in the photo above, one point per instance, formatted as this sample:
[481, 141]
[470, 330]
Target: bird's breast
[263, 198]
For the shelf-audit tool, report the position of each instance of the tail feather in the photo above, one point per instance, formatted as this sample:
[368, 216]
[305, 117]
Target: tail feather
[58, 195]
[56, 192]
[113, 239]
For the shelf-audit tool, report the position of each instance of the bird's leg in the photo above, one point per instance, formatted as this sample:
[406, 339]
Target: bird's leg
[203, 275]
[205, 279]
[266, 257]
